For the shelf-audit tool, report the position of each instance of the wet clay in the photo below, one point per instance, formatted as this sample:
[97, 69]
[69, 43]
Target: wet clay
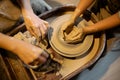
[53, 63]
[75, 36]
[61, 46]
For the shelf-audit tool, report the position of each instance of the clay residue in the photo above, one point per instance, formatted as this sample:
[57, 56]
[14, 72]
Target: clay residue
[74, 36]
[53, 63]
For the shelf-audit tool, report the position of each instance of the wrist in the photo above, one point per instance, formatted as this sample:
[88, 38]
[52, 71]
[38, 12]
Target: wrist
[90, 29]
[72, 18]
[76, 14]
[86, 30]
[27, 11]
[7, 43]
[26, 6]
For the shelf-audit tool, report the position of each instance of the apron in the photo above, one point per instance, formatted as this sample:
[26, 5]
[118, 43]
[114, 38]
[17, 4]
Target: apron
[9, 15]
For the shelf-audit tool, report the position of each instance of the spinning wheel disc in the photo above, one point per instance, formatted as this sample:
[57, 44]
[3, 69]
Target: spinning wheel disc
[63, 48]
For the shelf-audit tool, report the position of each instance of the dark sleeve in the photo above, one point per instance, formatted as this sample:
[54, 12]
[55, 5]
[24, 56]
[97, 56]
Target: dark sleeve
[15, 2]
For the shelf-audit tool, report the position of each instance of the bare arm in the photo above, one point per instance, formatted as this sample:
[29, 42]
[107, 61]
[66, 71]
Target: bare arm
[25, 51]
[104, 24]
[34, 24]
[25, 6]
[28, 53]
[81, 7]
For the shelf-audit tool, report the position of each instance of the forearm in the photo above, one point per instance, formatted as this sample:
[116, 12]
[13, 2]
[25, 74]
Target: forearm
[12, 44]
[7, 43]
[25, 51]
[25, 6]
[82, 6]
[102, 25]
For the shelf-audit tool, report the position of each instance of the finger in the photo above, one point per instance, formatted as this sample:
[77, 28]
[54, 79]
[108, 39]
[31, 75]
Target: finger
[31, 31]
[76, 34]
[76, 37]
[38, 61]
[46, 29]
[64, 26]
[38, 33]
[43, 32]
[45, 54]
[46, 24]
[42, 59]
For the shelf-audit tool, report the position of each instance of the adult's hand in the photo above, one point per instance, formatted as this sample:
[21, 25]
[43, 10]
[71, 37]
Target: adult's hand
[36, 26]
[67, 27]
[28, 53]
[32, 55]
[76, 35]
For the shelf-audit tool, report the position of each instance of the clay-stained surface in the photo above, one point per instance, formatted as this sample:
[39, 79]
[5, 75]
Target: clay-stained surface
[54, 62]
[60, 46]
[70, 66]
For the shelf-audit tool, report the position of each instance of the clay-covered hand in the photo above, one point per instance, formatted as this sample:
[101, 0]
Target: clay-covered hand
[28, 53]
[67, 27]
[36, 26]
[76, 35]
[31, 55]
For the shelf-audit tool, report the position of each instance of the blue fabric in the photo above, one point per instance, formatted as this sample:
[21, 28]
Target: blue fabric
[102, 65]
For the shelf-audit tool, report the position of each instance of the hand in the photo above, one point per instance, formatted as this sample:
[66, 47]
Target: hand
[30, 54]
[76, 35]
[36, 26]
[67, 26]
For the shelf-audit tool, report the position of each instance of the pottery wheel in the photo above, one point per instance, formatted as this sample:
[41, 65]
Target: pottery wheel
[63, 48]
